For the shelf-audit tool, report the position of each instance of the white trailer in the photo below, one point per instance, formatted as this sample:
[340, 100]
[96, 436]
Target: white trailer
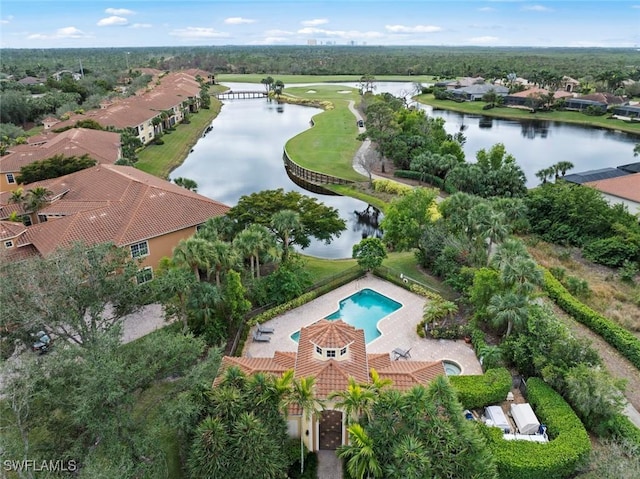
[525, 419]
[495, 417]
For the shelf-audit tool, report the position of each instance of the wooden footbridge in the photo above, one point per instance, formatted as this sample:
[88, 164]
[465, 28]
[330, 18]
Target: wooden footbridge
[233, 94]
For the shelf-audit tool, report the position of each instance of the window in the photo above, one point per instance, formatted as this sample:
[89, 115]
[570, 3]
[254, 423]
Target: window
[10, 178]
[343, 351]
[331, 353]
[8, 244]
[26, 220]
[144, 275]
[139, 250]
[319, 350]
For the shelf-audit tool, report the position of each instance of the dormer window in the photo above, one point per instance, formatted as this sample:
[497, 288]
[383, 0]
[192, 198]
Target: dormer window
[343, 351]
[319, 350]
[331, 353]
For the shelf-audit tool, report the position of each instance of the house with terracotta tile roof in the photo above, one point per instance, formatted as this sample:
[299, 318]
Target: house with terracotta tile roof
[120, 204]
[167, 99]
[623, 190]
[102, 146]
[333, 352]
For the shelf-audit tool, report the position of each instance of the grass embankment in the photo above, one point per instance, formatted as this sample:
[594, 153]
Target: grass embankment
[577, 118]
[328, 147]
[160, 160]
[291, 79]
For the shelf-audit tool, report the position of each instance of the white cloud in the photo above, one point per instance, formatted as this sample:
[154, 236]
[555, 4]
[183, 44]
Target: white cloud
[416, 29]
[196, 32]
[315, 22]
[486, 9]
[343, 34]
[278, 33]
[536, 8]
[238, 21]
[483, 40]
[65, 32]
[7, 20]
[141, 25]
[112, 21]
[119, 11]
[271, 41]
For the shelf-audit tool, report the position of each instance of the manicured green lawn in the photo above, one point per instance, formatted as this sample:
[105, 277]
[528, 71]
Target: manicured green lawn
[330, 145]
[160, 160]
[321, 269]
[475, 107]
[405, 263]
[289, 79]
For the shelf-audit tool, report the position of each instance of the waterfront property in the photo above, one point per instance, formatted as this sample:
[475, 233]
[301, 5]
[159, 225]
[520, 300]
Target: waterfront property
[108, 203]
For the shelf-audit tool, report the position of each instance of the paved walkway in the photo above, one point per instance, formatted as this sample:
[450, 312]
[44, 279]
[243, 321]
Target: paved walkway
[329, 466]
[398, 329]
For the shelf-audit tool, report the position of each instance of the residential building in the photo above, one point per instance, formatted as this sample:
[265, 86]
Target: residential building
[477, 91]
[120, 204]
[569, 84]
[624, 190]
[594, 175]
[161, 105]
[332, 352]
[102, 146]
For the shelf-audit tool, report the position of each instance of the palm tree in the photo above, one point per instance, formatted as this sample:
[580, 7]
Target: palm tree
[564, 166]
[356, 400]
[495, 229]
[509, 308]
[187, 183]
[303, 395]
[36, 199]
[285, 224]
[508, 251]
[195, 253]
[359, 454]
[377, 383]
[521, 275]
[17, 196]
[251, 242]
[223, 257]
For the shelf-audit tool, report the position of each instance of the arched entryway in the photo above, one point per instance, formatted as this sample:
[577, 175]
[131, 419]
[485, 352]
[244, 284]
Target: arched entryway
[330, 428]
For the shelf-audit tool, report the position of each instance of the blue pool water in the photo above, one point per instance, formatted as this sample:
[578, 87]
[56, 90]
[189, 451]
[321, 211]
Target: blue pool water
[363, 310]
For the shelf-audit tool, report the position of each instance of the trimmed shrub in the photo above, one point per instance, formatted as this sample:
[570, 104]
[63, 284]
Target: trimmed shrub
[568, 449]
[481, 390]
[618, 337]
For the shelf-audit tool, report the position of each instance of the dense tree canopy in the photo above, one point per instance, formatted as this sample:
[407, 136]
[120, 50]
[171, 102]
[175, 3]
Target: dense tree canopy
[58, 165]
[316, 220]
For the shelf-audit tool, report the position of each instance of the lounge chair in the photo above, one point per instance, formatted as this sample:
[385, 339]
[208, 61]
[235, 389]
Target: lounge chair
[264, 330]
[260, 337]
[401, 353]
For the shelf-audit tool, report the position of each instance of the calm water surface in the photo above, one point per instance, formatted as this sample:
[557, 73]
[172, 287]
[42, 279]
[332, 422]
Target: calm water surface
[242, 154]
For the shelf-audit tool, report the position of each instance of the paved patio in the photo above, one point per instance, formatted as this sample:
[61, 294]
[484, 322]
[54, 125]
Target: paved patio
[398, 329]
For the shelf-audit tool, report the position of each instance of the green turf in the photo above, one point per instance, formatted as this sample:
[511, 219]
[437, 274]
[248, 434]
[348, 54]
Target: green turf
[330, 145]
[321, 269]
[160, 160]
[405, 263]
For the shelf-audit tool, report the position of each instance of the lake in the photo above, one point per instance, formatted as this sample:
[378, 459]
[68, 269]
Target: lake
[242, 153]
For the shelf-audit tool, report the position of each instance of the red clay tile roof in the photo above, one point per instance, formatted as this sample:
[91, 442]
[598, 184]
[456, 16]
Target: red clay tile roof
[10, 229]
[535, 91]
[118, 204]
[102, 146]
[331, 374]
[627, 187]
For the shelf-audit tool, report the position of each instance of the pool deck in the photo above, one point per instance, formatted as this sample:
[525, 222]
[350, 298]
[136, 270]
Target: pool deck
[398, 329]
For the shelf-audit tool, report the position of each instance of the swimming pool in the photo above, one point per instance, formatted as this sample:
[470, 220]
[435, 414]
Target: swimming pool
[363, 310]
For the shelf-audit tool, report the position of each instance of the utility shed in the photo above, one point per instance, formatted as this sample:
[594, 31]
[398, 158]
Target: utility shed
[525, 419]
[495, 417]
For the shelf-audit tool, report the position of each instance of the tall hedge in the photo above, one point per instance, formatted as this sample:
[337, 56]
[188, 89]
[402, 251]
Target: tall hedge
[478, 391]
[568, 448]
[618, 337]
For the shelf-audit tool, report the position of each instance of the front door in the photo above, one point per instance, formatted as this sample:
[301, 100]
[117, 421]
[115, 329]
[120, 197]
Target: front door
[330, 429]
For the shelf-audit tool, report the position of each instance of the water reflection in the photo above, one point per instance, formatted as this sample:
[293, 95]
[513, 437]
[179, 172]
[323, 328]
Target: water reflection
[368, 222]
[533, 128]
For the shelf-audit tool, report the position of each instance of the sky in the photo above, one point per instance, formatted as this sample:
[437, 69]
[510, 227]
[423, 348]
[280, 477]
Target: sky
[144, 23]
